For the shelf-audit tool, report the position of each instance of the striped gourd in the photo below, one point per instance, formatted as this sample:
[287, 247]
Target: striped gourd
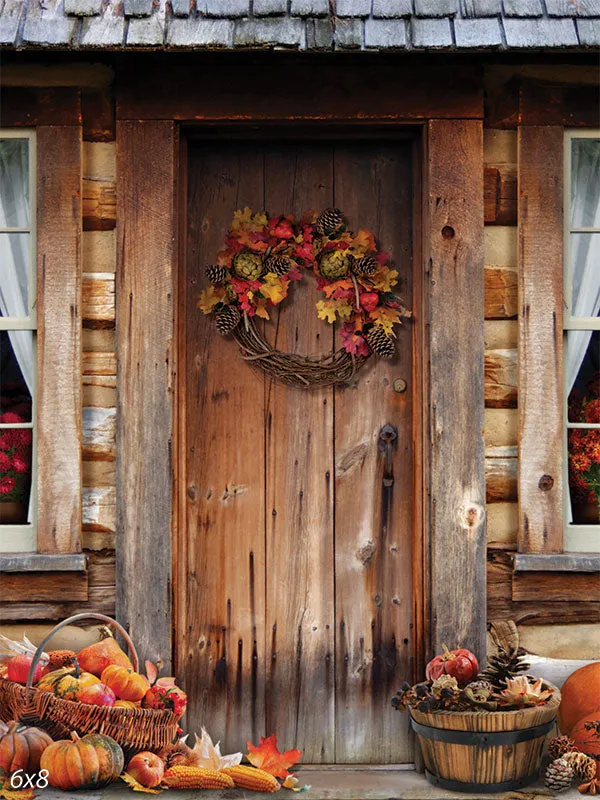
[257, 780]
[181, 777]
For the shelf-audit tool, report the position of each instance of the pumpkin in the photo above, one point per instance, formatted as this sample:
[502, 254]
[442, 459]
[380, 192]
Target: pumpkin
[97, 695]
[67, 682]
[97, 657]
[125, 683]
[580, 695]
[90, 762]
[586, 739]
[21, 747]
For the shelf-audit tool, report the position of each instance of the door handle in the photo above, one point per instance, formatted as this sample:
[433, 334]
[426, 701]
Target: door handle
[385, 443]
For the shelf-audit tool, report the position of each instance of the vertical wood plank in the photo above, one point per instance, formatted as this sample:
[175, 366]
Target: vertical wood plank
[456, 345]
[299, 532]
[146, 270]
[221, 628]
[540, 339]
[59, 338]
[374, 522]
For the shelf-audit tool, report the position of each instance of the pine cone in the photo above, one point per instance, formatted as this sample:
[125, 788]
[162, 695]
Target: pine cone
[559, 746]
[367, 265]
[216, 274]
[280, 265]
[559, 775]
[228, 319]
[584, 766]
[505, 664]
[329, 221]
[380, 343]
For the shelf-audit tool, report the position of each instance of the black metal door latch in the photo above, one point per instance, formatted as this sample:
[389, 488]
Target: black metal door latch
[385, 443]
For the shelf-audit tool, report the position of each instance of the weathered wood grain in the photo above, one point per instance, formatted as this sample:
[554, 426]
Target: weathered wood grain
[500, 480]
[374, 522]
[35, 587]
[500, 371]
[100, 598]
[557, 562]
[99, 426]
[501, 301]
[147, 265]
[98, 308]
[99, 160]
[221, 96]
[98, 115]
[556, 586]
[99, 205]
[501, 526]
[552, 104]
[98, 473]
[30, 106]
[500, 428]
[501, 334]
[99, 509]
[98, 540]
[222, 567]
[59, 309]
[500, 194]
[99, 363]
[540, 339]
[457, 484]
[300, 612]
[100, 251]
[102, 341]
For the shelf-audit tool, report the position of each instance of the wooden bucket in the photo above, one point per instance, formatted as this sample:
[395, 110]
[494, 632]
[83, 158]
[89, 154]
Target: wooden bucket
[473, 751]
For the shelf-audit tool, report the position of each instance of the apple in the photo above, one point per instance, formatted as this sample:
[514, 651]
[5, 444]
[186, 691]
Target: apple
[18, 669]
[97, 695]
[147, 769]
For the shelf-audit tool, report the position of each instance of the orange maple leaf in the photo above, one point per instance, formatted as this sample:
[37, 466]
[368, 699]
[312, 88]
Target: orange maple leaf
[266, 756]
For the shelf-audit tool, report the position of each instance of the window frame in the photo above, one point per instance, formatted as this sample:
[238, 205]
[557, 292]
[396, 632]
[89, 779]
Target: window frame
[23, 538]
[577, 538]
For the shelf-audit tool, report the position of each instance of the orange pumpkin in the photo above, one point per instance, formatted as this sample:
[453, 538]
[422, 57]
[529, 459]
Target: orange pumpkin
[125, 683]
[21, 747]
[587, 741]
[580, 695]
[90, 762]
[97, 657]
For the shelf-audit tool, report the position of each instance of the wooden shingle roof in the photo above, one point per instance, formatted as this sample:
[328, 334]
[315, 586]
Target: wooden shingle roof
[323, 25]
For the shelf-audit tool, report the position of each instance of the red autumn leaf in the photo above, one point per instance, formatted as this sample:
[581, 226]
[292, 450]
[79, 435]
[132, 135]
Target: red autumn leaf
[266, 756]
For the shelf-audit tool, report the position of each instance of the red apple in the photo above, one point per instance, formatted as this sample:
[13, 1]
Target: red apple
[98, 695]
[18, 669]
[147, 769]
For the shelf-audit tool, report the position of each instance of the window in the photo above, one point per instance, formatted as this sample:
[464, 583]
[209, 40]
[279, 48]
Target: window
[582, 341]
[17, 342]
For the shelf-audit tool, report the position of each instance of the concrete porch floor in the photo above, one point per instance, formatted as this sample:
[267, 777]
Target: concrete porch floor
[329, 784]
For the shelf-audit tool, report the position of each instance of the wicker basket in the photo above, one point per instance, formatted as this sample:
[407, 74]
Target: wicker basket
[481, 752]
[135, 729]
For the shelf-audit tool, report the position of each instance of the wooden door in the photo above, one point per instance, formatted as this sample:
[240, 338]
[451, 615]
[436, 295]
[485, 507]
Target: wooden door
[294, 596]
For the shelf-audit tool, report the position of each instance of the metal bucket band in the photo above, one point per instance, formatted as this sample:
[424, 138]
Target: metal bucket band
[463, 786]
[481, 738]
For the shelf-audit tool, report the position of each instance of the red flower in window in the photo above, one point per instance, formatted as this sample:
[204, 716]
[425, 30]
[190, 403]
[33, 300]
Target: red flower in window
[7, 484]
[10, 417]
[5, 462]
[19, 464]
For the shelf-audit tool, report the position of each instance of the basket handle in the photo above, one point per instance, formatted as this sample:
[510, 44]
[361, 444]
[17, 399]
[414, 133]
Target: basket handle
[76, 618]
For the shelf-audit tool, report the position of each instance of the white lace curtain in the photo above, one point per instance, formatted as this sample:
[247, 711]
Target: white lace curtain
[14, 249]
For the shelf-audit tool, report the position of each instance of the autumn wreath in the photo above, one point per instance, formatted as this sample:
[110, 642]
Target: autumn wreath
[263, 255]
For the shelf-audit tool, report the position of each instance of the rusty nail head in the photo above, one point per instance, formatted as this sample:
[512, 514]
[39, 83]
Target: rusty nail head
[399, 385]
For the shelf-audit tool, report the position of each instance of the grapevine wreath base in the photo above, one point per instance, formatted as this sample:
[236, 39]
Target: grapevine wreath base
[263, 256]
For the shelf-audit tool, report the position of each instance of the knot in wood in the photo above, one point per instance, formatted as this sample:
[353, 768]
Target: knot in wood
[546, 483]
[366, 552]
[472, 515]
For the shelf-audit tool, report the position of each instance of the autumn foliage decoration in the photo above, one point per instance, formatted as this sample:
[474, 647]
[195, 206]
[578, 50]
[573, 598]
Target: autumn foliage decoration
[264, 256]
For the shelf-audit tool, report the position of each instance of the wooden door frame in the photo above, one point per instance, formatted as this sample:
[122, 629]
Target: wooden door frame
[450, 561]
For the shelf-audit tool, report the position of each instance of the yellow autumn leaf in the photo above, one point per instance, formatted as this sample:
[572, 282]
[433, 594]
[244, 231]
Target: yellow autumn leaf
[137, 787]
[384, 279]
[344, 309]
[385, 318]
[274, 288]
[326, 310]
[261, 309]
[8, 793]
[362, 243]
[210, 297]
[246, 219]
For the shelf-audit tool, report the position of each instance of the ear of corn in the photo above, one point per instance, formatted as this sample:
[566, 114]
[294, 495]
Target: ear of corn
[181, 777]
[257, 780]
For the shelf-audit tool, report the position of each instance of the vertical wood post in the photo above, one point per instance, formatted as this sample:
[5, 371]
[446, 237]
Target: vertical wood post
[146, 280]
[540, 339]
[59, 338]
[456, 345]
